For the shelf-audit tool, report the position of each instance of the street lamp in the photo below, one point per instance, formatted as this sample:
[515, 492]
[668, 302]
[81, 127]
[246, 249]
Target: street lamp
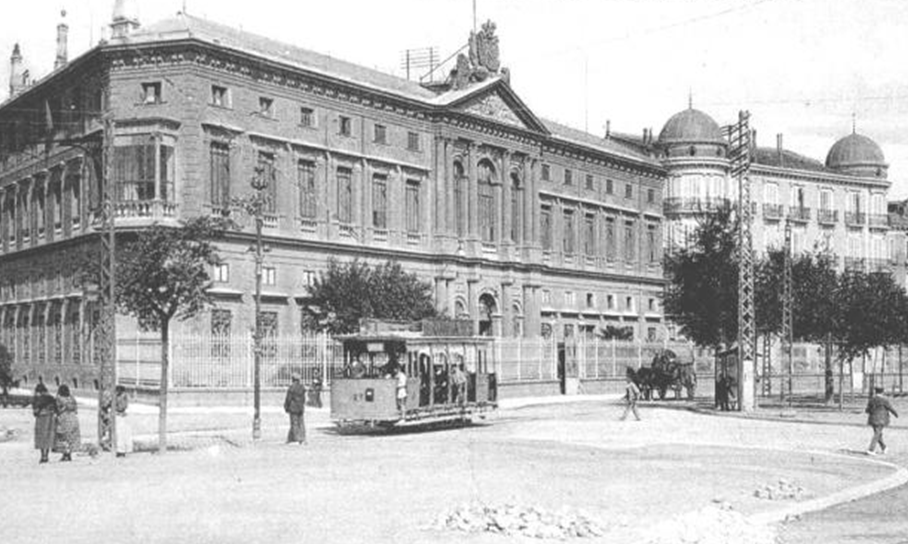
[256, 207]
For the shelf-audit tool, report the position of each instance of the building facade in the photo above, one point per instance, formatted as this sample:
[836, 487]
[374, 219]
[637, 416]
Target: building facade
[524, 226]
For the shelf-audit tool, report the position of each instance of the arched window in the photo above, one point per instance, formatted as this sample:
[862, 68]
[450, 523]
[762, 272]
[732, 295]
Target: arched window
[488, 216]
[487, 309]
[516, 218]
[460, 208]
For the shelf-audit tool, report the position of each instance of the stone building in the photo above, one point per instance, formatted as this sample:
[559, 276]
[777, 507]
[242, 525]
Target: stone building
[524, 226]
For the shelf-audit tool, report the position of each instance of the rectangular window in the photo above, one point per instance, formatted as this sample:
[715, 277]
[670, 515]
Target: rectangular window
[589, 181]
[611, 248]
[628, 191]
[413, 141]
[305, 178]
[266, 107]
[220, 174]
[569, 300]
[344, 194]
[221, 321]
[380, 135]
[151, 93]
[134, 172]
[568, 176]
[57, 202]
[545, 227]
[307, 117]
[413, 206]
[40, 212]
[650, 196]
[269, 275]
[590, 300]
[610, 302]
[74, 182]
[825, 200]
[652, 249]
[630, 242]
[221, 273]
[219, 96]
[546, 172]
[460, 191]
[567, 239]
[380, 201]
[589, 230]
[609, 187]
[344, 126]
[268, 177]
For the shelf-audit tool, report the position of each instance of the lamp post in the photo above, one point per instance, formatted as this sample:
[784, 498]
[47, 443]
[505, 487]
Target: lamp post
[256, 206]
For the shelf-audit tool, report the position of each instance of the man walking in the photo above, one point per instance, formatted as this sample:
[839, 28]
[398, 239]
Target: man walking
[631, 394]
[878, 409]
[295, 405]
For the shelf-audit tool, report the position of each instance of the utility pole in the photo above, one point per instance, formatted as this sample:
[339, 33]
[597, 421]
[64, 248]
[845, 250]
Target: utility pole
[105, 348]
[740, 141]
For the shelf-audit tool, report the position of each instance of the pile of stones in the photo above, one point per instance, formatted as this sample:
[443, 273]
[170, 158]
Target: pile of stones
[715, 524]
[513, 520]
[8, 434]
[783, 490]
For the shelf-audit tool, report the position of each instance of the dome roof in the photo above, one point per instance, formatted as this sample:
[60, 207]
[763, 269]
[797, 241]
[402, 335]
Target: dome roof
[855, 150]
[691, 126]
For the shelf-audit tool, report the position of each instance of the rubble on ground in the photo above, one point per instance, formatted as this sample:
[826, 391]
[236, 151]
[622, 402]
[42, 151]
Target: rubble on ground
[8, 434]
[718, 523]
[526, 521]
[782, 490]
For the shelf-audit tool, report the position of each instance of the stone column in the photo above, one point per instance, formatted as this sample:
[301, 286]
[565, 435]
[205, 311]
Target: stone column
[472, 209]
[441, 297]
[505, 203]
[531, 321]
[506, 310]
[330, 197]
[473, 303]
[438, 193]
[366, 228]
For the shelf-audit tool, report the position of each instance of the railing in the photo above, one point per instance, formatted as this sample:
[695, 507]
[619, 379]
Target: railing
[878, 220]
[854, 263]
[879, 265]
[827, 217]
[799, 213]
[269, 220]
[146, 209]
[693, 204]
[308, 224]
[414, 238]
[772, 211]
[855, 218]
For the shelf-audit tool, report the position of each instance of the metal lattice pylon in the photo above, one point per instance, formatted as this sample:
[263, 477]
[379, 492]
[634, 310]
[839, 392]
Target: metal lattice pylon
[787, 332]
[740, 139]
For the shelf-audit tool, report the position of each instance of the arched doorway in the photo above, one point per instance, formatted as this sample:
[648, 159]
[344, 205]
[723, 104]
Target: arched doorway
[487, 309]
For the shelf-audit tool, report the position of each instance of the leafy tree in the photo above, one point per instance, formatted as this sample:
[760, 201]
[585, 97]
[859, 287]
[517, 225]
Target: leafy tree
[611, 332]
[872, 313]
[702, 292]
[162, 275]
[346, 293]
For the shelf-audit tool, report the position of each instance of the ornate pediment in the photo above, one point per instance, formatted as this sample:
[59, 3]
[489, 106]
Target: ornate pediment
[494, 108]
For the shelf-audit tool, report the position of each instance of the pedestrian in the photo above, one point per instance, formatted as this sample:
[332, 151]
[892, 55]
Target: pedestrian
[401, 391]
[878, 410]
[123, 430]
[317, 384]
[44, 408]
[67, 437]
[631, 394]
[106, 416]
[295, 405]
[459, 380]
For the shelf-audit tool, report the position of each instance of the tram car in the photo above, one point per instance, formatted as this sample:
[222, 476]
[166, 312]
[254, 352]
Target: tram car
[450, 377]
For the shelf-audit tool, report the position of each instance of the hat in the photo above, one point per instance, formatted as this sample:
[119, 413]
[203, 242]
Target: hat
[295, 377]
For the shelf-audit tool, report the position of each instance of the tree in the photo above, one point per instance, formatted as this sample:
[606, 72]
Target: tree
[6, 373]
[702, 291]
[346, 293]
[872, 313]
[162, 275]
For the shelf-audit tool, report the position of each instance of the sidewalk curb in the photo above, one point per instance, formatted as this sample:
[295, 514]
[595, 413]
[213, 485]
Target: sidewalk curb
[900, 477]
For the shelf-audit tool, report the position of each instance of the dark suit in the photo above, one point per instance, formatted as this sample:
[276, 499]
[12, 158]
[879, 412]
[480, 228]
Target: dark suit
[295, 405]
[878, 409]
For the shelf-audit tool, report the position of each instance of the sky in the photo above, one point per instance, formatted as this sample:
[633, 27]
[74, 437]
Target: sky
[807, 69]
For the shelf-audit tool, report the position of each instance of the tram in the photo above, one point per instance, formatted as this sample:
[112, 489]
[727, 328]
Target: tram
[367, 394]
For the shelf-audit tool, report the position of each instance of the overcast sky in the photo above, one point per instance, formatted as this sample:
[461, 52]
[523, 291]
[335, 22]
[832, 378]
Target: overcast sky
[802, 67]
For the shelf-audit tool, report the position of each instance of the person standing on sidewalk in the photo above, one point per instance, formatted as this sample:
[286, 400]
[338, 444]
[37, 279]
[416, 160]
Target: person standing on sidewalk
[295, 405]
[317, 389]
[43, 406]
[878, 410]
[124, 432]
[631, 394]
[67, 437]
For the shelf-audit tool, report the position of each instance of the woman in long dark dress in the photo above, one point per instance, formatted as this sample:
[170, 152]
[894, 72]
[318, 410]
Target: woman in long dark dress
[67, 438]
[44, 408]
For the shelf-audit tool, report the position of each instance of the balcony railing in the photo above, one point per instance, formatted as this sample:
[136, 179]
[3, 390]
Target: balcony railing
[772, 211]
[799, 213]
[855, 218]
[878, 220]
[854, 263]
[693, 205]
[879, 265]
[827, 217]
[146, 209]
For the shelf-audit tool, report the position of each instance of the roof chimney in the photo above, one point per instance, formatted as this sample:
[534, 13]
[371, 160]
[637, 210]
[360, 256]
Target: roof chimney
[17, 73]
[62, 33]
[125, 19]
[779, 147]
[608, 129]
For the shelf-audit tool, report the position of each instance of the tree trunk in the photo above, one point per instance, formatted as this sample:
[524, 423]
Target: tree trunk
[830, 381]
[162, 398]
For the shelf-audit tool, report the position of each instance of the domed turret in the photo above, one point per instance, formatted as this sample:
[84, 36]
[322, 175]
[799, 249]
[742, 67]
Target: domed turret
[692, 133]
[857, 155]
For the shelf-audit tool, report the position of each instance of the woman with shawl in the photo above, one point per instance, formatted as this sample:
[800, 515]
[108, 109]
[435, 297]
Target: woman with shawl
[44, 408]
[67, 438]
